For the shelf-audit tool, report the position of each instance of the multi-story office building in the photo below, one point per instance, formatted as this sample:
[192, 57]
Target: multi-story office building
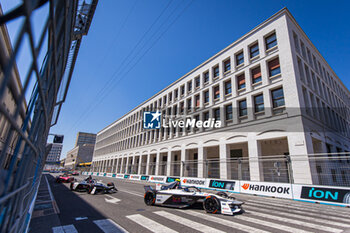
[277, 98]
[55, 153]
[83, 150]
[85, 138]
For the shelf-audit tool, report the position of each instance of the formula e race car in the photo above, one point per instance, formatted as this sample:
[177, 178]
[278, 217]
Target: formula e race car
[93, 186]
[174, 195]
[65, 178]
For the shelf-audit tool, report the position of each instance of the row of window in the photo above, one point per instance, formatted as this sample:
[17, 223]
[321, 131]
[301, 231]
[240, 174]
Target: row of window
[310, 58]
[146, 137]
[270, 42]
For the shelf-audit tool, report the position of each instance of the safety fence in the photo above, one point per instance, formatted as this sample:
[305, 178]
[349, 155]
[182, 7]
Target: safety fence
[30, 105]
[326, 169]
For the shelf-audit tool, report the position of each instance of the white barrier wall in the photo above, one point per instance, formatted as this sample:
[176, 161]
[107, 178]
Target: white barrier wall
[312, 193]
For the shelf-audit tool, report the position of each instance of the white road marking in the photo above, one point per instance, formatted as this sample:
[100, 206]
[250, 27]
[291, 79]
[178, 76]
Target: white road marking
[299, 207]
[224, 222]
[297, 222]
[113, 200]
[133, 193]
[186, 222]
[109, 226]
[64, 229]
[300, 214]
[80, 218]
[150, 224]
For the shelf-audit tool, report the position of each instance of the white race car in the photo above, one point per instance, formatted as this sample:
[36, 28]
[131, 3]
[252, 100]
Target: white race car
[173, 195]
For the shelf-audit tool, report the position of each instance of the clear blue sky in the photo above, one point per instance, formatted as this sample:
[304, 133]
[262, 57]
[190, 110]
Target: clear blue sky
[176, 43]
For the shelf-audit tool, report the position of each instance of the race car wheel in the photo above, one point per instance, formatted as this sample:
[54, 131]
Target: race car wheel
[90, 189]
[110, 184]
[222, 194]
[71, 186]
[149, 198]
[211, 204]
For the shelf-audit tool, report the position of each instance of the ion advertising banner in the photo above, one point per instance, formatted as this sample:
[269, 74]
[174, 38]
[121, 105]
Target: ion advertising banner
[144, 178]
[157, 179]
[170, 179]
[227, 185]
[198, 182]
[281, 190]
[321, 194]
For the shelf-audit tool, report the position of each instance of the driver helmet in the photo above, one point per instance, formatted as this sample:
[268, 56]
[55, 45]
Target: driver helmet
[178, 185]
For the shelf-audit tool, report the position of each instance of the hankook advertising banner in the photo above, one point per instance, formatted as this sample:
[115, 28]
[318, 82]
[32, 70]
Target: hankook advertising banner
[267, 189]
[109, 174]
[157, 179]
[198, 182]
[119, 176]
[134, 177]
[327, 194]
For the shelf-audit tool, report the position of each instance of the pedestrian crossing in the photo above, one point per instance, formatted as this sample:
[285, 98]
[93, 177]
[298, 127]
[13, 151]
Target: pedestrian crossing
[258, 217]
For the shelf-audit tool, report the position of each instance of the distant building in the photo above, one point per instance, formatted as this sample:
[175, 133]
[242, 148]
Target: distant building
[85, 138]
[83, 150]
[9, 98]
[55, 153]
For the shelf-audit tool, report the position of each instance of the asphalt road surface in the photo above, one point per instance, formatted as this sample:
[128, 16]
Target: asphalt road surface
[125, 211]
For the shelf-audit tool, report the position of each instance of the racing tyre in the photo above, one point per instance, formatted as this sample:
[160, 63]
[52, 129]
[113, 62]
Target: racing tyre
[110, 184]
[90, 189]
[222, 194]
[71, 186]
[211, 204]
[149, 198]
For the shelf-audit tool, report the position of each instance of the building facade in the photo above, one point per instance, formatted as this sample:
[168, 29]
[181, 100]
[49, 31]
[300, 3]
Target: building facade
[53, 157]
[85, 138]
[279, 104]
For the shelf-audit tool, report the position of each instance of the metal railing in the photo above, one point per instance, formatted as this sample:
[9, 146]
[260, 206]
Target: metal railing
[25, 124]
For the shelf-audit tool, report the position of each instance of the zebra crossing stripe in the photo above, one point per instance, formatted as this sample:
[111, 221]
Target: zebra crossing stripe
[188, 223]
[298, 207]
[150, 224]
[65, 229]
[224, 222]
[297, 222]
[300, 214]
[109, 226]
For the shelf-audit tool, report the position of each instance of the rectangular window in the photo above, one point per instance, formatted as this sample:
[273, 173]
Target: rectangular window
[197, 81]
[216, 114]
[239, 58]
[256, 75]
[175, 110]
[206, 116]
[303, 52]
[170, 96]
[228, 112]
[227, 65]
[189, 104]
[189, 86]
[296, 42]
[259, 103]
[206, 77]
[271, 41]
[228, 87]
[206, 97]
[160, 102]
[197, 100]
[242, 108]
[176, 93]
[216, 72]
[182, 89]
[277, 98]
[164, 100]
[182, 107]
[274, 67]
[216, 91]
[241, 81]
[254, 50]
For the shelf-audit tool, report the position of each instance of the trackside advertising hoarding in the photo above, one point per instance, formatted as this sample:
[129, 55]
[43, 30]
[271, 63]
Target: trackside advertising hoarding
[322, 194]
[198, 182]
[281, 190]
[134, 177]
[227, 185]
[109, 174]
[119, 176]
[95, 173]
[157, 179]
